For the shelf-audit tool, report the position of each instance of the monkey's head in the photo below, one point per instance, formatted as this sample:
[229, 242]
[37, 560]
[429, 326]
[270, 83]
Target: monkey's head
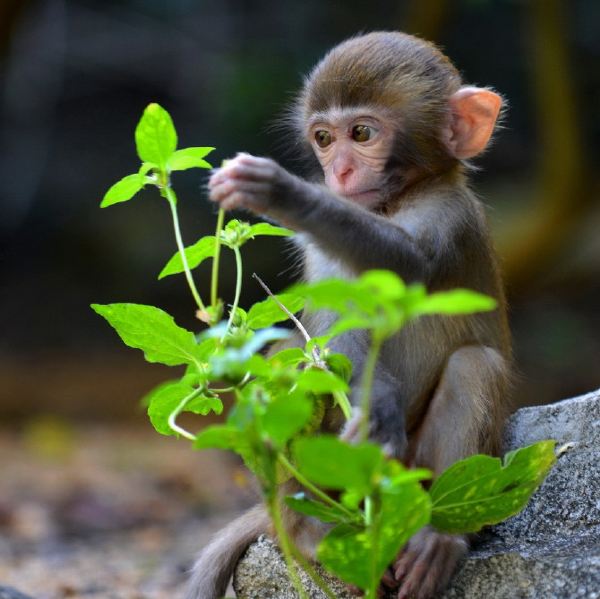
[385, 109]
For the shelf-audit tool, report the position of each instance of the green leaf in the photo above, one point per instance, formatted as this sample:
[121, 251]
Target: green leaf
[164, 399]
[257, 366]
[186, 158]
[333, 464]
[232, 361]
[331, 294]
[340, 365]
[225, 436]
[271, 230]
[264, 314]
[220, 436]
[151, 330]
[146, 167]
[235, 233]
[123, 190]
[291, 356]
[361, 555]
[479, 490]
[383, 283]
[155, 136]
[204, 404]
[326, 513]
[205, 349]
[351, 322]
[286, 416]
[145, 401]
[320, 381]
[195, 254]
[457, 301]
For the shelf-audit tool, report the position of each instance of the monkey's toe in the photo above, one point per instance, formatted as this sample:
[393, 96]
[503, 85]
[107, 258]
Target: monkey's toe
[427, 563]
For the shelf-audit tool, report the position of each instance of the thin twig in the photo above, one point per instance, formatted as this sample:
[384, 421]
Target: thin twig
[315, 350]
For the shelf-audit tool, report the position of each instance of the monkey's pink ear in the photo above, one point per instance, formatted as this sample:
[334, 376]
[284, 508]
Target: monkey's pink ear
[474, 114]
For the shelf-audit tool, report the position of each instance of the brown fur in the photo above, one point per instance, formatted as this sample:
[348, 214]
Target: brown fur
[441, 384]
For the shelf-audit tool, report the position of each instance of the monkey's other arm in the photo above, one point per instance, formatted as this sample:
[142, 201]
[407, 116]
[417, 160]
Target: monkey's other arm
[363, 239]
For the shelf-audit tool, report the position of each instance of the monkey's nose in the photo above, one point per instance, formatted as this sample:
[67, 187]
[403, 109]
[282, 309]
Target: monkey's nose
[343, 171]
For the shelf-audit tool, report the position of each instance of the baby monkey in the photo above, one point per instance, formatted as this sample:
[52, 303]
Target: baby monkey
[391, 124]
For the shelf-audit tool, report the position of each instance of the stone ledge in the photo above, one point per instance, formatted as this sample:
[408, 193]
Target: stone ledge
[551, 550]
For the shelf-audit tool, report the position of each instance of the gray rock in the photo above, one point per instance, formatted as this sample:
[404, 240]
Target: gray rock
[551, 550]
[12, 593]
[262, 574]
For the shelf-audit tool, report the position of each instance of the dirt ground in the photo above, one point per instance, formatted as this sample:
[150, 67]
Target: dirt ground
[108, 512]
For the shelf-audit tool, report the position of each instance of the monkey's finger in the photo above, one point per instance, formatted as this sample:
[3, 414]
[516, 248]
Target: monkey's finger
[247, 172]
[218, 174]
[421, 545]
[388, 579]
[404, 563]
[449, 552]
[258, 161]
[413, 579]
[240, 199]
[223, 190]
[411, 584]
[235, 201]
[245, 166]
[439, 570]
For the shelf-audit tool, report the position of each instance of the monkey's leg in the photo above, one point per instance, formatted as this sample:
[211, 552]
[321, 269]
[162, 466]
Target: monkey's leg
[464, 417]
[215, 565]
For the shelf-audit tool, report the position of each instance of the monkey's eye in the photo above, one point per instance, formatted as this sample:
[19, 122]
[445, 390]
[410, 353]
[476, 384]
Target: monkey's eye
[323, 138]
[361, 133]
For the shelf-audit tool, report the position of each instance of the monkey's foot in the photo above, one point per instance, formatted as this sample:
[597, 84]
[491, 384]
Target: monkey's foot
[426, 564]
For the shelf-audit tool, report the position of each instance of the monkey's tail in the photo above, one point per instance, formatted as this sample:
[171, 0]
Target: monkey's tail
[216, 562]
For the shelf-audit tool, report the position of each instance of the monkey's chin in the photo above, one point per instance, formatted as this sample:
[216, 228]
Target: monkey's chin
[366, 199]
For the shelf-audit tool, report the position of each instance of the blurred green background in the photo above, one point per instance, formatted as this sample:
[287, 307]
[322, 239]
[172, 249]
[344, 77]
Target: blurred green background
[75, 76]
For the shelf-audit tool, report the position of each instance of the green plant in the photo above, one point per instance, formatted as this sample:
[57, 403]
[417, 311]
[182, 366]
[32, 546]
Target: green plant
[280, 399]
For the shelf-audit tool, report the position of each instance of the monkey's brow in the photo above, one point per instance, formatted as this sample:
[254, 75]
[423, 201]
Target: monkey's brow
[338, 113]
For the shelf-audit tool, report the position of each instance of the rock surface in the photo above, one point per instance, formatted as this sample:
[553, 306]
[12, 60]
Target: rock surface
[550, 550]
[11, 593]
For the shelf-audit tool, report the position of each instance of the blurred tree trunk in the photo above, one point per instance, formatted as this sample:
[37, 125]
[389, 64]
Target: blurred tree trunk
[9, 13]
[565, 189]
[426, 18]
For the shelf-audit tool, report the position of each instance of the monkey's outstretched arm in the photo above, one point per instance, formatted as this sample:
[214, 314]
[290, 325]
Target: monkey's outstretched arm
[214, 567]
[344, 230]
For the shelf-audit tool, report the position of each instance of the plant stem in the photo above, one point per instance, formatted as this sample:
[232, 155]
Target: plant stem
[214, 280]
[298, 324]
[173, 415]
[171, 197]
[285, 544]
[368, 510]
[314, 490]
[341, 399]
[366, 385]
[238, 288]
[374, 531]
[312, 572]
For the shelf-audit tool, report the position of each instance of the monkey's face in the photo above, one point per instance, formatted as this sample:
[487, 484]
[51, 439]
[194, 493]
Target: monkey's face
[353, 146]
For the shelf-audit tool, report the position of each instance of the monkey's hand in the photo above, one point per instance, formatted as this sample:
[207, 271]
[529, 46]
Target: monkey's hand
[252, 183]
[426, 564]
[391, 437]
